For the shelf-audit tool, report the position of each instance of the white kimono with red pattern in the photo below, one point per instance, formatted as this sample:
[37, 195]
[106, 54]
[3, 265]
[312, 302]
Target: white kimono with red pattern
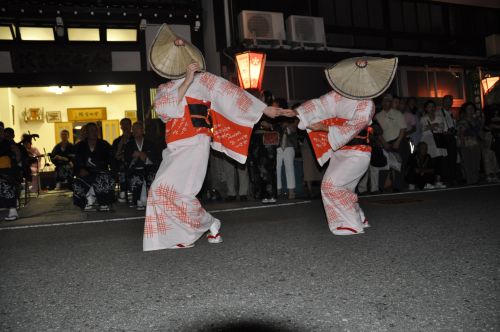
[345, 118]
[173, 214]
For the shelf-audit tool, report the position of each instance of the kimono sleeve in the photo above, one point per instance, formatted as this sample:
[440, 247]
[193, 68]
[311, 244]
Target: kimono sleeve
[167, 104]
[234, 112]
[231, 101]
[338, 136]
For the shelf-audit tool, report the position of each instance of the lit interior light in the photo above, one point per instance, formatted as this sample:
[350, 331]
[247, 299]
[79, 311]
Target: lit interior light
[109, 88]
[58, 90]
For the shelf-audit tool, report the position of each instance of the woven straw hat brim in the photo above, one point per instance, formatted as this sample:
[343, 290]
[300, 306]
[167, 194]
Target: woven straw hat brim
[169, 60]
[367, 81]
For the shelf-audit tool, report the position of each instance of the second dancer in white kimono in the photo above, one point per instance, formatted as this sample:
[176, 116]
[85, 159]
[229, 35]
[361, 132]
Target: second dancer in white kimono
[200, 110]
[338, 126]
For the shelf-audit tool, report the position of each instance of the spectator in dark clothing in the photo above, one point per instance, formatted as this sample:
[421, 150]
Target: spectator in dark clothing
[94, 181]
[62, 157]
[142, 162]
[450, 167]
[8, 186]
[492, 124]
[118, 162]
[420, 170]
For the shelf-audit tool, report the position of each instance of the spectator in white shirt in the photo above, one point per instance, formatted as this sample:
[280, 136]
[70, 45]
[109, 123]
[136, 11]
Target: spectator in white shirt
[394, 138]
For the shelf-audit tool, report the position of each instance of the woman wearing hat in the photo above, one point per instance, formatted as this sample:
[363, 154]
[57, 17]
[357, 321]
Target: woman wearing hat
[337, 124]
[200, 110]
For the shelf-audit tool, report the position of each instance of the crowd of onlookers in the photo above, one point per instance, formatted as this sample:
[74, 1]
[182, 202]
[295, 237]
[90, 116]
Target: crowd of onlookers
[414, 147]
[432, 146]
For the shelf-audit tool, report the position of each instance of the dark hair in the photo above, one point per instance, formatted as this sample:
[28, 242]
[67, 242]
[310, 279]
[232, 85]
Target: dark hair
[138, 123]
[396, 97]
[464, 106]
[91, 124]
[65, 131]
[9, 130]
[281, 102]
[26, 138]
[126, 120]
[268, 97]
[428, 102]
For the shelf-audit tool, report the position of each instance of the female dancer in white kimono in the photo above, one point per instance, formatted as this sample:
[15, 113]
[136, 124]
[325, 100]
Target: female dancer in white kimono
[338, 126]
[199, 110]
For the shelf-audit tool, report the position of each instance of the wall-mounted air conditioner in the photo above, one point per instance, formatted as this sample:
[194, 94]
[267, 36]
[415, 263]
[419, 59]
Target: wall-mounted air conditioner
[305, 29]
[493, 45]
[258, 25]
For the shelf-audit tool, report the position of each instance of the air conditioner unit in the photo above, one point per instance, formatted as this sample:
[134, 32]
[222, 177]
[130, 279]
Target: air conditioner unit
[493, 45]
[305, 29]
[261, 25]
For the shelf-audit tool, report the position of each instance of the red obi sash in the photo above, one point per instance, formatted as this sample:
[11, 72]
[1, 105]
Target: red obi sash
[320, 144]
[182, 128]
[223, 131]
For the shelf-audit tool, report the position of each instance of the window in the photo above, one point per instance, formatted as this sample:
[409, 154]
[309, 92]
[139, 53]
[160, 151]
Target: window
[81, 34]
[5, 33]
[31, 33]
[433, 82]
[121, 35]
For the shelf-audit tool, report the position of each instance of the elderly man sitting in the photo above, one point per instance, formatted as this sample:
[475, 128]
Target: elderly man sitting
[93, 180]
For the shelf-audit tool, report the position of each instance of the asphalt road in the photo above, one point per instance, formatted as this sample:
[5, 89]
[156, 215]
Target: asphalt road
[430, 262]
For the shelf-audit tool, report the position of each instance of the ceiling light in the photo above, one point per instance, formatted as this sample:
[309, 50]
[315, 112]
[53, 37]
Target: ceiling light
[109, 88]
[58, 90]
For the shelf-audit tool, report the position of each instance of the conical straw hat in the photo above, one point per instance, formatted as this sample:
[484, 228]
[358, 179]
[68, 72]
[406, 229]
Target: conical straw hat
[169, 60]
[362, 77]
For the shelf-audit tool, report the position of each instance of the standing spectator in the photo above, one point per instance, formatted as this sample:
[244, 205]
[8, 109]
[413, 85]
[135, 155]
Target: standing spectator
[262, 156]
[432, 122]
[394, 139]
[492, 124]
[412, 119]
[62, 156]
[285, 152]
[93, 179]
[141, 163]
[469, 129]
[118, 162]
[236, 178]
[378, 162]
[450, 168]
[420, 170]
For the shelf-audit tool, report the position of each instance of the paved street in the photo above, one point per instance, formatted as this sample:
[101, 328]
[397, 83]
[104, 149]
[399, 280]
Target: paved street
[431, 262]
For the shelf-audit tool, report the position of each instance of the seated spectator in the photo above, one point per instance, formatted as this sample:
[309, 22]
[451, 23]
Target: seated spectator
[142, 161]
[9, 157]
[118, 162]
[93, 180]
[31, 162]
[62, 157]
[420, 170]
[469, 129]
[432, 122]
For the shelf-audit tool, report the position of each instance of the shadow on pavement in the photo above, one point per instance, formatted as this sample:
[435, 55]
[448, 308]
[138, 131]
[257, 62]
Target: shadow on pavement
[244, 326]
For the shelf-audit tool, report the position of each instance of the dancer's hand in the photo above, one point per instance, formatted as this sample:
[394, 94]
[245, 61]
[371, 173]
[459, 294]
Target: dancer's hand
[289, 113]
[272, 111]
[190, 70]
[318, 126]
